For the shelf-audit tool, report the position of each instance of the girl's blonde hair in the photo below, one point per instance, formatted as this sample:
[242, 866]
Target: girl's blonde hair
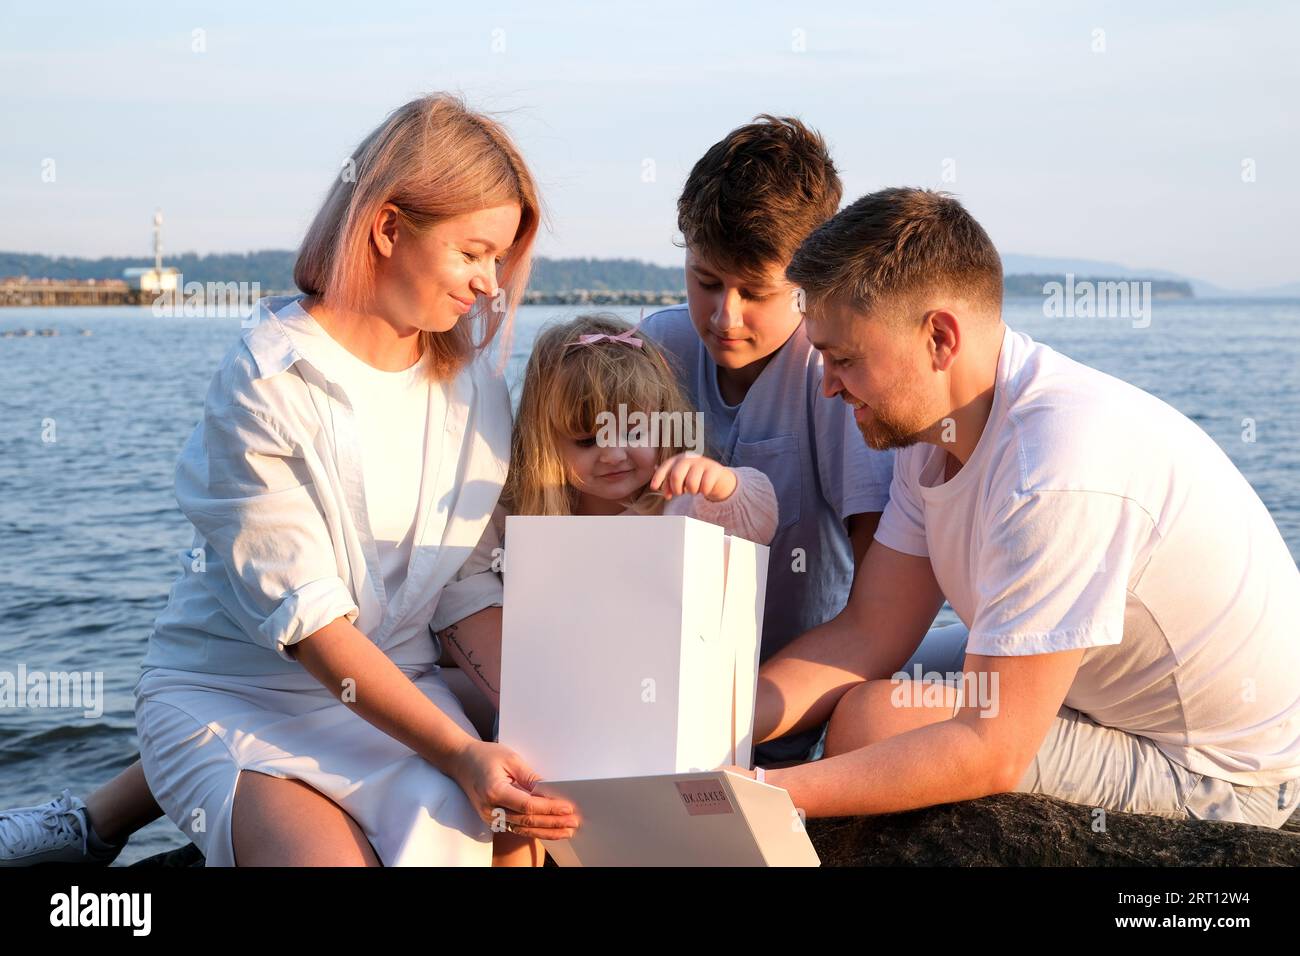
[433, 159]
[566, 386]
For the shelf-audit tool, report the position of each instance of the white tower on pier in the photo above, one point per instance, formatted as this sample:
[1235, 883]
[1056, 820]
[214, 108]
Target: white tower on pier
[157, 242]
[157, 279]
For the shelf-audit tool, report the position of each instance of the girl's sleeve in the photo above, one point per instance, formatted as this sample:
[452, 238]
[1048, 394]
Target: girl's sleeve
[244, 484]
[750, 511]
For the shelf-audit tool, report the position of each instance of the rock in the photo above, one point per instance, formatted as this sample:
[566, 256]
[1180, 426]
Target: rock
[1019, 829]
[187, 855]
[1015, 829]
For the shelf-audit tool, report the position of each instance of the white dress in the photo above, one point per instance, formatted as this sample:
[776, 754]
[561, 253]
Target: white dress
[415, 553]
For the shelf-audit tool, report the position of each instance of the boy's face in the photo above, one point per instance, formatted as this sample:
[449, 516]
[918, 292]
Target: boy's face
[740, 321]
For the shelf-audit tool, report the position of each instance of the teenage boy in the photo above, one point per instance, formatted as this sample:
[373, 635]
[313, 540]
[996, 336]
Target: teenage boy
[741, 354]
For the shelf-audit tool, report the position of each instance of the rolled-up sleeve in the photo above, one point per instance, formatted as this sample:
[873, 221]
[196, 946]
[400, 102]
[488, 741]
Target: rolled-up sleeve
[248, 491]
[477, 584]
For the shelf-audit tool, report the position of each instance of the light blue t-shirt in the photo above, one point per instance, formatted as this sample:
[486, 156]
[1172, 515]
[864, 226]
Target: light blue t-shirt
[810, 448]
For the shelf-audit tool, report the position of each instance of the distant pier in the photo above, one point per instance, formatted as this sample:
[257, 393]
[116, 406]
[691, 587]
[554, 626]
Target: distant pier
[48, 292]
[22, 291]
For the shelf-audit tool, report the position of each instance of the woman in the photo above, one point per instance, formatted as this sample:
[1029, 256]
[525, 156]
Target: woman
[342, 485]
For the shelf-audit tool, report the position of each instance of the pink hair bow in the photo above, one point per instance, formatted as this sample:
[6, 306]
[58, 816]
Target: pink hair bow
[627, 338]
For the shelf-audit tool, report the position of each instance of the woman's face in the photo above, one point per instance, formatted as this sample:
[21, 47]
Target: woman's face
[429, 280]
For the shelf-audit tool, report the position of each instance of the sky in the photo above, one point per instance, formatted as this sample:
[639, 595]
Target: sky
[1160, 135]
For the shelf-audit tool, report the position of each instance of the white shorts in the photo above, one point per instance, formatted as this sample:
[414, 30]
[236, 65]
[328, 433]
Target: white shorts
[199, 731]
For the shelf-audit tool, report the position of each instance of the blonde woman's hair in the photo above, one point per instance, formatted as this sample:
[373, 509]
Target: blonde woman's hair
[565, 388]
[433, 159]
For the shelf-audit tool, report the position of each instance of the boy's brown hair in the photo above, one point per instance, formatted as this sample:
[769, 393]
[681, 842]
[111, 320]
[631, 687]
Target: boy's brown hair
[897, 243]
[756, 194]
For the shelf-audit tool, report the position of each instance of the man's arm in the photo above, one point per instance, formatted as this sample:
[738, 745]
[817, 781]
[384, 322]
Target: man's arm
[985, 749]
[862, 529]
[474, 644]
[894, 600]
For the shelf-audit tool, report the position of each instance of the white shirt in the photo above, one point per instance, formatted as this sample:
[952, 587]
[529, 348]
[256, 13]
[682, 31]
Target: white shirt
[1093, 515]
[392, 413]
[273, 481]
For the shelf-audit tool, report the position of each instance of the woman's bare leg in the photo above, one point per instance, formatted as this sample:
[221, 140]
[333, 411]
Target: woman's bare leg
[279, 822]
[122, 806]
[510, 849]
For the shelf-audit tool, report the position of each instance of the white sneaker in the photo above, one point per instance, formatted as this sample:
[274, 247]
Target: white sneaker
[55, 832]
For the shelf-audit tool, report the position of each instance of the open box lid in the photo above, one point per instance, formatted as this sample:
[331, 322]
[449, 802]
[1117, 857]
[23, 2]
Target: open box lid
[716, 818]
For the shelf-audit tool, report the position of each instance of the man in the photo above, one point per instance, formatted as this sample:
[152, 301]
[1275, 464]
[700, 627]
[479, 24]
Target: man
[1132, 608]
[740, 352]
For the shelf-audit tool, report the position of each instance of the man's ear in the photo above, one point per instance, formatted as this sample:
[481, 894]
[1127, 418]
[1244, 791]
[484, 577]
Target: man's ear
[944, 337]
[383, 231]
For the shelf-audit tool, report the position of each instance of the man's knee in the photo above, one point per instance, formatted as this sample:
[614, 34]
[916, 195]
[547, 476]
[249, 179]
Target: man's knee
[859, 718]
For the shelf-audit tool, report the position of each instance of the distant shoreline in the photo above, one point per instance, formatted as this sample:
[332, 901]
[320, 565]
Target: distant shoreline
[24, 292]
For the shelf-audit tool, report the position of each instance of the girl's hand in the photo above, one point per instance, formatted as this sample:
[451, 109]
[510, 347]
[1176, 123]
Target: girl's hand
[691, 474]
[499, 784]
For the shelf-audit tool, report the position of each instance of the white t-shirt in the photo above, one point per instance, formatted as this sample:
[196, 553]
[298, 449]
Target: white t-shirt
[392, 414]
[1092, 514]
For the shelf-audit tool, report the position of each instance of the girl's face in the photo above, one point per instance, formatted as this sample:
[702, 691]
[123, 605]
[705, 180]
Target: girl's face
[429, 280]
[608, 478]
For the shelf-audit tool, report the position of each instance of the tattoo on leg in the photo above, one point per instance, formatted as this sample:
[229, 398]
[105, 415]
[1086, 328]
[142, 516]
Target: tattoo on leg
[450, 634]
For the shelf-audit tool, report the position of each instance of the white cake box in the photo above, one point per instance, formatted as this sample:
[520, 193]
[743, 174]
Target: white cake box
[629, 645]
[712, 819]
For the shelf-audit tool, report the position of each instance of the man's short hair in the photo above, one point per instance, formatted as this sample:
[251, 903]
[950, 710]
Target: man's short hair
[756, 194]
[895, 244]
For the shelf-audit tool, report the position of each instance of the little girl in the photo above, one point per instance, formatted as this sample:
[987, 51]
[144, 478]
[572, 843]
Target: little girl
[562, 462]
[580, 375]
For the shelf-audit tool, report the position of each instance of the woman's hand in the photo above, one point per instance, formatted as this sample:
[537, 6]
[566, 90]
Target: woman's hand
[691, 474]
[499, 784]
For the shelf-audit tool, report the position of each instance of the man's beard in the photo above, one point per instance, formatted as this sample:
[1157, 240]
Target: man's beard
[883, 433]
